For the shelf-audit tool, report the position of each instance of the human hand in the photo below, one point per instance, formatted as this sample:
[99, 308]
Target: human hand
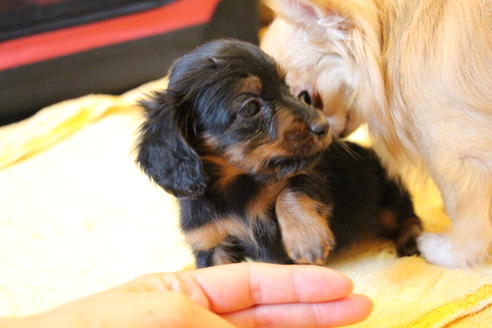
[237, 295]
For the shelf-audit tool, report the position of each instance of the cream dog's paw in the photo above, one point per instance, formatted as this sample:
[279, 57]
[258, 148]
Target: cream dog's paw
[443, 250]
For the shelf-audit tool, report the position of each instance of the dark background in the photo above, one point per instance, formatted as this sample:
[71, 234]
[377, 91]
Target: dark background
[112, 69]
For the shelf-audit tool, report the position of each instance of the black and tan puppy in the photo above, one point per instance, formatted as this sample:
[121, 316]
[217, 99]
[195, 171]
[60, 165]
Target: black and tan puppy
[253, 168]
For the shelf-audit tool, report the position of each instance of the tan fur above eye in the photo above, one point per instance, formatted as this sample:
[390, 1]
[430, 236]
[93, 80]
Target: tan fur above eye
[251, 84]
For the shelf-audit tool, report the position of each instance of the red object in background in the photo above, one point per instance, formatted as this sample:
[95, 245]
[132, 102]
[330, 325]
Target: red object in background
[53, 52]
[48, 45]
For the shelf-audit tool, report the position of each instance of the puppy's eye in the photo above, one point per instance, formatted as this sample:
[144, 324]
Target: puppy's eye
[250, 108]
[304, 97]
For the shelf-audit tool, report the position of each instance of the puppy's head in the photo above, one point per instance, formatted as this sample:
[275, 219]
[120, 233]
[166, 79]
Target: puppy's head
[227, 99]
[327, 55]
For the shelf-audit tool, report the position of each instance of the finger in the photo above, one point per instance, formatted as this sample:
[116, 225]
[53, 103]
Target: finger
[346, 311]
[238, 286]
[179, 282]
[233, 287]
[149, 309]
[177, 310]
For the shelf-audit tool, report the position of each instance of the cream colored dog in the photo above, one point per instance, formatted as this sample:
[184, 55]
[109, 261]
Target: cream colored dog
[419, 72]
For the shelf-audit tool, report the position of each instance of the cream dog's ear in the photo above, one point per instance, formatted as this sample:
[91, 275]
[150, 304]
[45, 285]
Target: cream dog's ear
[320, 19]
[297, 11]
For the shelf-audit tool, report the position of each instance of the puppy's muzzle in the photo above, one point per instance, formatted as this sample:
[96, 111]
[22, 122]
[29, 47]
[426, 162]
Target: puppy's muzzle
[319, 126]
[307, 132]
[313, 118]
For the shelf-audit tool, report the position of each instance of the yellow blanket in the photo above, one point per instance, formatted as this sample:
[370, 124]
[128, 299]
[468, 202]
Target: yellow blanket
[77, 216]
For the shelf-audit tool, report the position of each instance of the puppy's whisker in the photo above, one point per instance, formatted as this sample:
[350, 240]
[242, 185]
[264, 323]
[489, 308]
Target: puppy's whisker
[345, 147]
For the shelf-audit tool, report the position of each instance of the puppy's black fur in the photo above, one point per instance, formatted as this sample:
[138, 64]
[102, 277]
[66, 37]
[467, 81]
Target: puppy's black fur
[253, 168]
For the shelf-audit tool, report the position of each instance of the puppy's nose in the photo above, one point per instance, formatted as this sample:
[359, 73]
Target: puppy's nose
[320, 127]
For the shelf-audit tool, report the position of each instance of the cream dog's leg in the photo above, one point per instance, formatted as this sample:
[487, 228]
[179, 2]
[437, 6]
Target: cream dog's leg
[467, 192]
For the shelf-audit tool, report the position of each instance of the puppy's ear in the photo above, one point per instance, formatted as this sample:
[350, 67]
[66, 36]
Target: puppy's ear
[318, 18]
[164, 152]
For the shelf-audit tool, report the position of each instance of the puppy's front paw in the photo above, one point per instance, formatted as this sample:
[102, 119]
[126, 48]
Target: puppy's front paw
[443, 250]
[309, 248]
[304, 222]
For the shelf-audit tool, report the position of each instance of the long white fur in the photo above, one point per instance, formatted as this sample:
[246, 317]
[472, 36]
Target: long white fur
[419, 72]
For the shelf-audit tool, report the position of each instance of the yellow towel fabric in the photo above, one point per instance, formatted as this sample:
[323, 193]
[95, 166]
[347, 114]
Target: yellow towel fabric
[77, 216]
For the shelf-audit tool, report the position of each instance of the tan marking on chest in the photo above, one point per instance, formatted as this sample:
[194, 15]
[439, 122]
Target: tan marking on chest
[259, 207]
[228, 172]
[210, 235]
